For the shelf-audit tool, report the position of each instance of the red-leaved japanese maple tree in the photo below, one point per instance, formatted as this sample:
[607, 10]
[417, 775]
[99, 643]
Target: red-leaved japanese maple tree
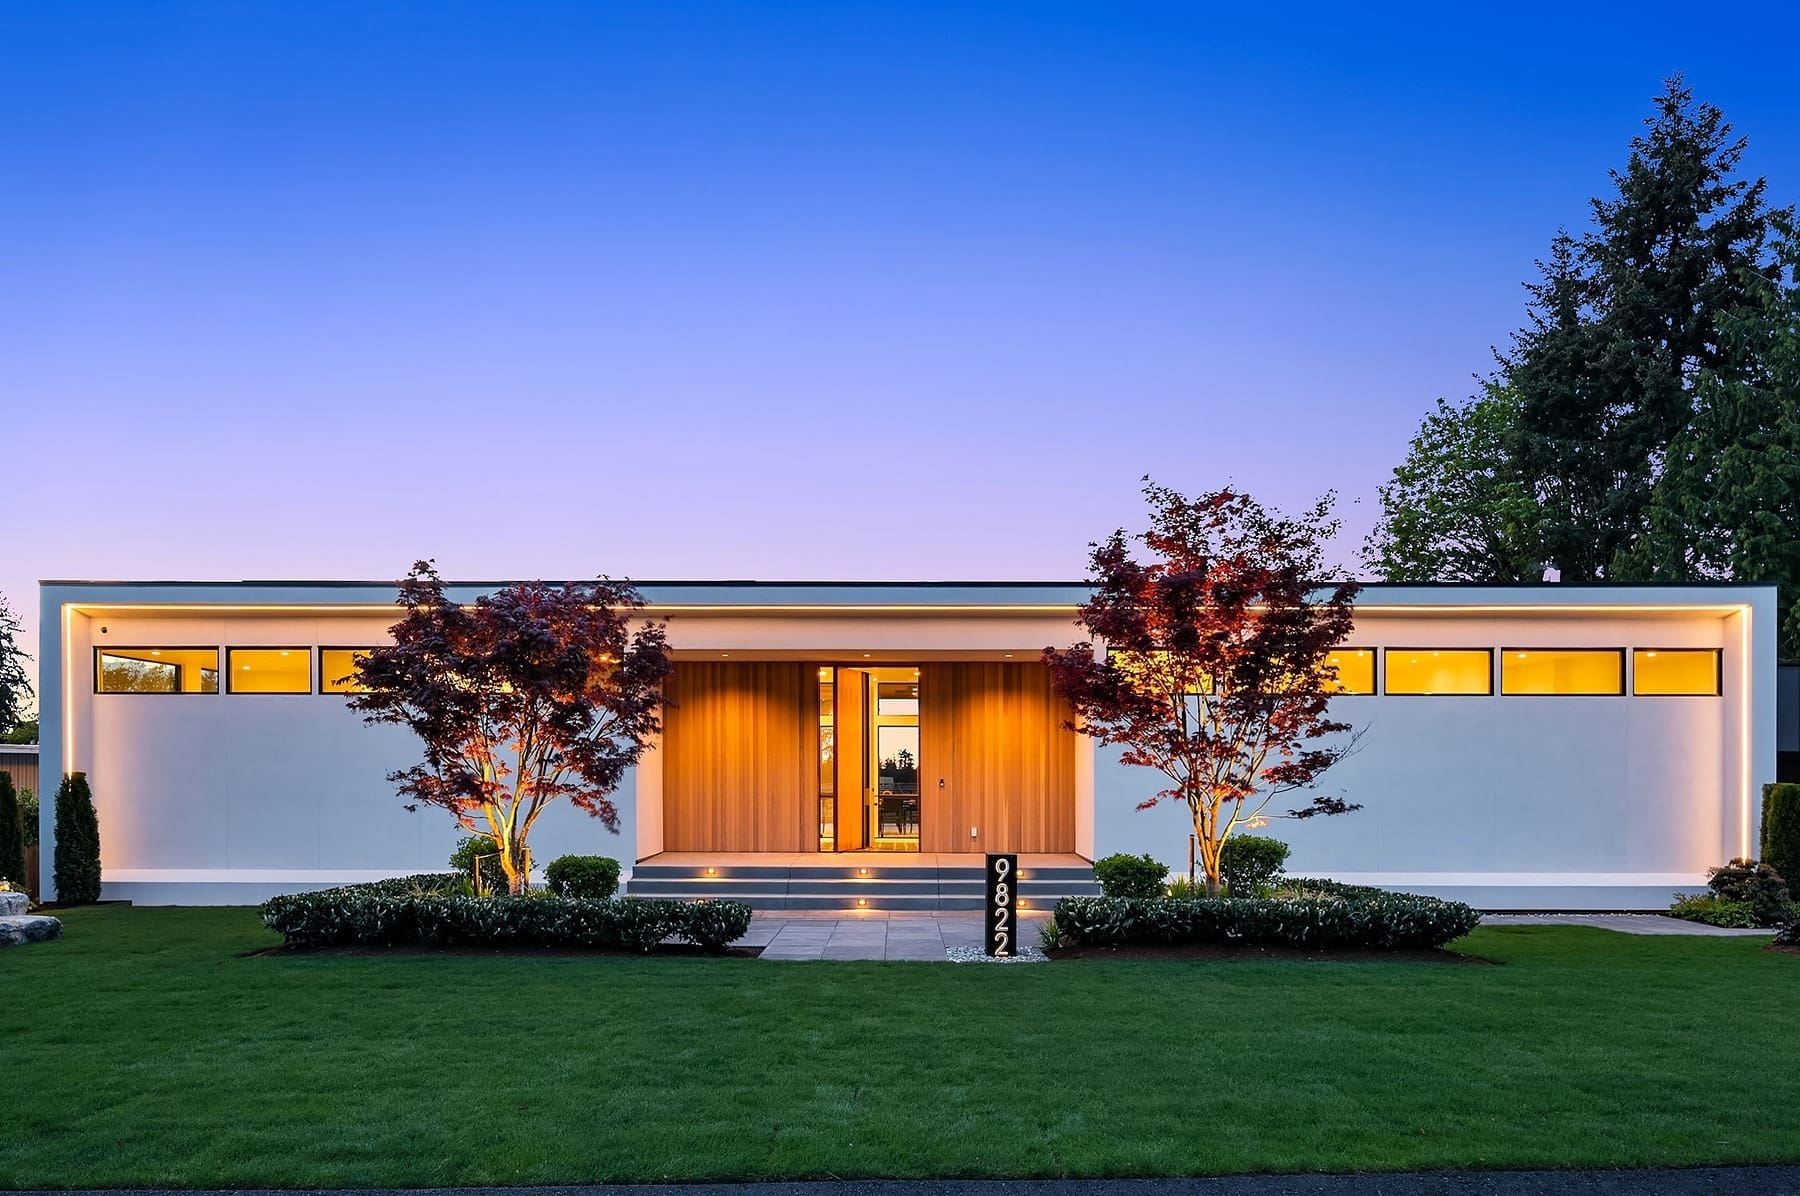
[1208, 660]
[527, 695]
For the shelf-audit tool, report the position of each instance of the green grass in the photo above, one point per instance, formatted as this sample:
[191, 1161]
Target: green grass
[148, 1048]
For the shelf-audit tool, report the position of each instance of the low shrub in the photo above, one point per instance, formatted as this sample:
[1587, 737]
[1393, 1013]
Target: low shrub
[1183, 889]
[1317, 886]
[435, 909]
[1781, 830]
[1122, 875]
[471, 848]
[1713, 910]
[583, 876]
[1248, 863]
[1381, 920]
[1790, 935]
[1755, 884]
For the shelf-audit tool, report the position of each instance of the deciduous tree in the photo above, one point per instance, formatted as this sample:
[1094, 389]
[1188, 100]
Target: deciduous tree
[524, 697]
[1457, 508]
[1207, 660]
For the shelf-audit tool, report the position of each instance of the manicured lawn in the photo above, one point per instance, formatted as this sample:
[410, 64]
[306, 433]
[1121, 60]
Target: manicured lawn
[148, 1048]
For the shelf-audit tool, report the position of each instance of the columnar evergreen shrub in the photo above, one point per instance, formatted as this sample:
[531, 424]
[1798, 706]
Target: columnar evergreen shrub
[1781, 830]
[1248, 862]
[583, 876]
[12, 833]
[77, 860]
[1122, 875]
[1379, 921]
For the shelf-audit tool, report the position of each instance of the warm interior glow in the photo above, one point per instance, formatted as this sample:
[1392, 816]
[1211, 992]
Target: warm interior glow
[336, 665]
[1562, 671]
[1675, 671]
[156, 671]
[1355, 669]
[269, 670]
[1439, 671]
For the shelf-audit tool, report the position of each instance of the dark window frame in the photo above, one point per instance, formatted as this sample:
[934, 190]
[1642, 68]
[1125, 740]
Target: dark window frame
[319, 668]
[1623, 691]
[115, 649]
[1718, 655]
[1375, 672]
[1387, 692]
[311, 666]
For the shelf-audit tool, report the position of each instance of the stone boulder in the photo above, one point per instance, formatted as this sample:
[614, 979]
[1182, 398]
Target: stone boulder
[17, 931]
[13, 903]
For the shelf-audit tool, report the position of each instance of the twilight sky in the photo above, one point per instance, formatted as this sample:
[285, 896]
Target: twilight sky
[769, 290]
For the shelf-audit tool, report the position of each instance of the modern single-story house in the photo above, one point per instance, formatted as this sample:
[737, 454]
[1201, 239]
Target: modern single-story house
[1523, 747]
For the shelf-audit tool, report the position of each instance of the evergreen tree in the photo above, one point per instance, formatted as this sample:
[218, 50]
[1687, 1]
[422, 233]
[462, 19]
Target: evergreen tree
[77, 858]
[15, 686]
[1727, 504]
[12, 833]
[1457, 508]
[1622, 324]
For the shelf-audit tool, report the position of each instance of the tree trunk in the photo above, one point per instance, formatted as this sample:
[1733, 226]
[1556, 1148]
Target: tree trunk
[1208, 849]
[515, 861]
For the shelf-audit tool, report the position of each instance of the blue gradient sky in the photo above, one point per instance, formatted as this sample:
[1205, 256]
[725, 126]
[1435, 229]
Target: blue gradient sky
[770, 290]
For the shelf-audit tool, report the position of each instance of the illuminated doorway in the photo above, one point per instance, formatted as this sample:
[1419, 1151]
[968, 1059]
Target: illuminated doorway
[869, 774]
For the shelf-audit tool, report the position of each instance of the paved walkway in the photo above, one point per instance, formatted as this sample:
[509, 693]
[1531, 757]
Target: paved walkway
[871, 934]
[1623, 923]
[924, 935]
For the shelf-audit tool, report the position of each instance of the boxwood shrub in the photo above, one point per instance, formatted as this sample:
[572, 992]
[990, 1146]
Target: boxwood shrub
[1354, 920]
[428, 910]
[1122, 875]
[583, 876]
[1251, 862]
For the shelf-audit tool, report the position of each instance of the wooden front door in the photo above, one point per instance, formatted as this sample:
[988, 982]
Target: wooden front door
[995, 756]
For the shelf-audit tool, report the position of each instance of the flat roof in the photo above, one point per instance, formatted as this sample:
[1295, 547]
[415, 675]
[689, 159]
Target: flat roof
[875, 597]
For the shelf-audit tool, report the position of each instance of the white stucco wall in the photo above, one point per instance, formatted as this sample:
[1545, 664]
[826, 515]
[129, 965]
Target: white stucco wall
[1514, 802]
[1511, 801]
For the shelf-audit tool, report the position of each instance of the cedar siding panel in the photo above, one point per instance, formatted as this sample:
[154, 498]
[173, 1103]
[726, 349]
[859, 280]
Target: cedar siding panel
[740, 768]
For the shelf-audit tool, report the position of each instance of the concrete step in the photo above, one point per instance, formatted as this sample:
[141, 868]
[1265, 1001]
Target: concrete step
[900, 885]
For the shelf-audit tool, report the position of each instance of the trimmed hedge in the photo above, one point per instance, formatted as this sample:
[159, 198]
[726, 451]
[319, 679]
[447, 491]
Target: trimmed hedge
[426, 911]
[1355, 921]
[583, 876]
[1781, 830]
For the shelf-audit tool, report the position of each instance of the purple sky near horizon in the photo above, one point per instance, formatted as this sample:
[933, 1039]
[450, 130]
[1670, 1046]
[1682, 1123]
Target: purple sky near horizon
[779, 290]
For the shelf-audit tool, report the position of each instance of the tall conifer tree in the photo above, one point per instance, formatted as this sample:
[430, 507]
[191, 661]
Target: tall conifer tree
[1623, 322]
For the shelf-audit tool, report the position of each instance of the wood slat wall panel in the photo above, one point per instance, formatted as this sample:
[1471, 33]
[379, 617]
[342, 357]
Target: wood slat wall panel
[993, 733]
[740, 757]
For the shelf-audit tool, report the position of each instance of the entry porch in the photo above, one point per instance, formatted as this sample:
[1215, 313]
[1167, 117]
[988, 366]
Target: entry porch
[848, 880]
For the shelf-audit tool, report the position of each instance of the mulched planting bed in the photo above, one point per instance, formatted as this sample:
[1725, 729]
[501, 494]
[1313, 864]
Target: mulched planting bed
[1215, 953]
[665, 951]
